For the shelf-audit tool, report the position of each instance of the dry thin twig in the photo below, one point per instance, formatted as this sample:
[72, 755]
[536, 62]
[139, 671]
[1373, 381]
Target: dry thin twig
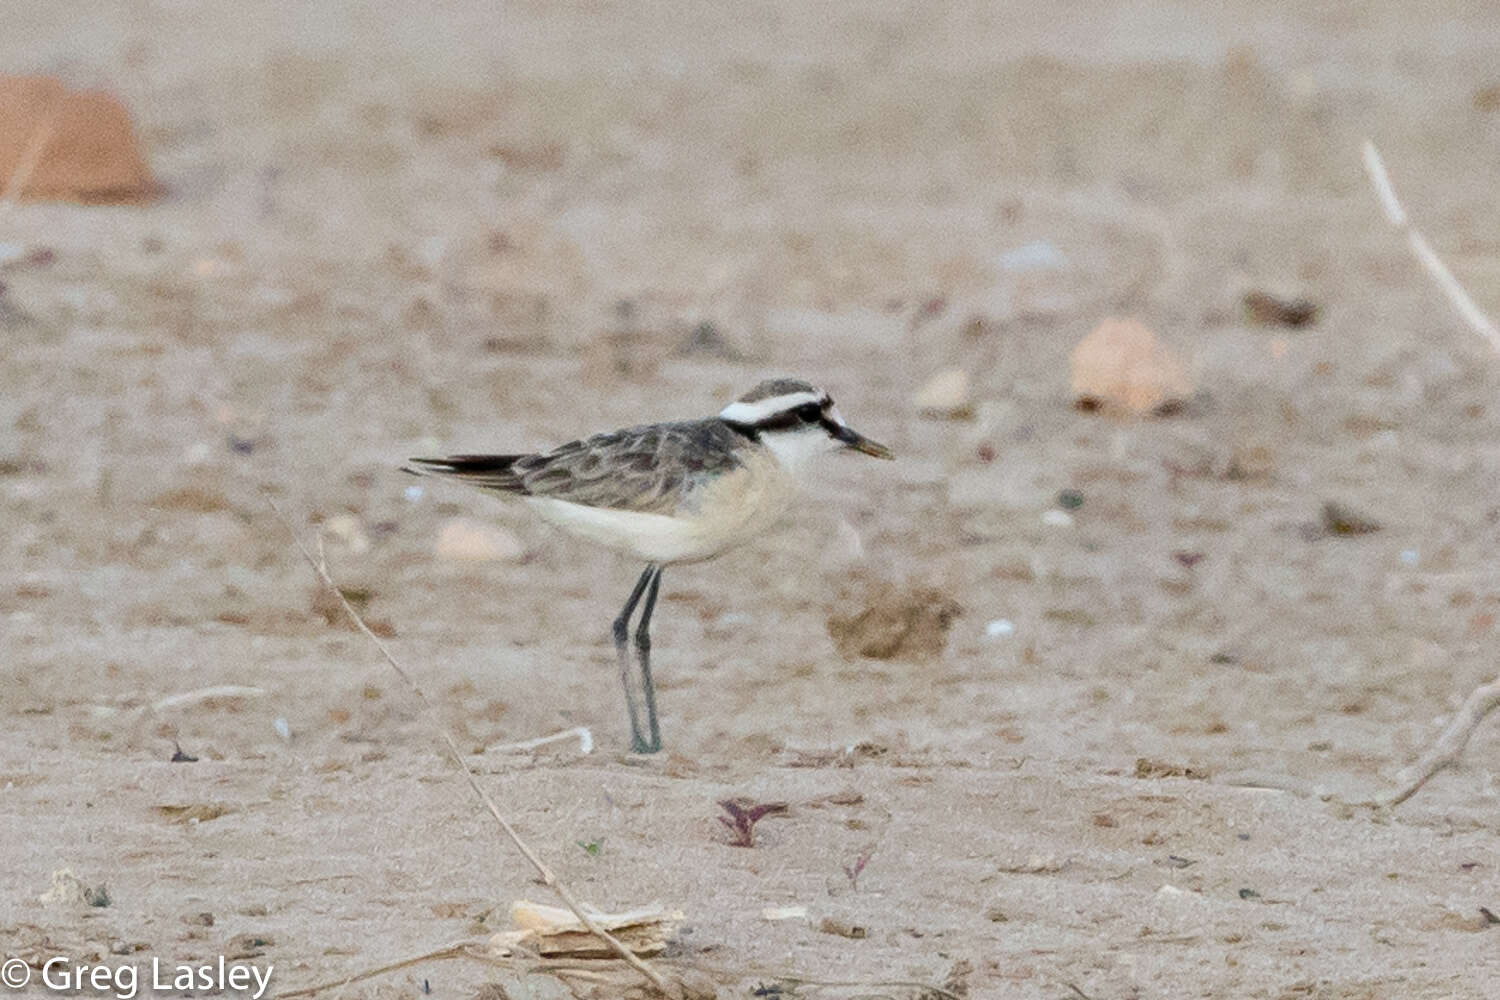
[584, 736]
[1483, 700]
[455, 951]
[544, 873]
[587, 971]
[1472, 314]
[221, 691]
[1447, 748]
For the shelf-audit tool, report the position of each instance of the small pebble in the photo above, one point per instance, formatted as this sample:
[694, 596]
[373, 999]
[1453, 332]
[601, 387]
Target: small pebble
[1341, 520]
[283, 729]
[1269, 309]
[946, 396]
[1037, 256]
[414, 493]
[707, 340]
[467, 540]
[348, 529]
[843, 928]
[1410, 557]
[1057, 518]
[784, 913]
[1000, 628]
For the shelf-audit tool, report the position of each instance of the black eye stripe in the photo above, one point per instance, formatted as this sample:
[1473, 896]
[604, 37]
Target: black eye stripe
[808, 413]
[805, 415]
[779, 422]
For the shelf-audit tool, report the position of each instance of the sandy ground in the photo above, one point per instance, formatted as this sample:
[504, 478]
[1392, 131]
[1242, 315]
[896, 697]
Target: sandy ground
[475, 228]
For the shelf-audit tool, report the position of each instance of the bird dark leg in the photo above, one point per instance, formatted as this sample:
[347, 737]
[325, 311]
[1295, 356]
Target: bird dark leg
[643, 653]
[621, 630]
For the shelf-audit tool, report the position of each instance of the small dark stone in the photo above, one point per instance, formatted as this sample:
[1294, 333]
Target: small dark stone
[1340, 520]
[1271, 310]
[1070, 499]
[707, 340]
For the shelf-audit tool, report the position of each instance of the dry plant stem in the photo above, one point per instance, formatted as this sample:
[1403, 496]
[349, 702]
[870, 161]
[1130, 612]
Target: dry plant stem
[1451, 743]
[465, 950]
[581, 733]
[225, 691]
[1472, 314]
[457, 951]
[27, 163]
[1484, 699]
[544, 873]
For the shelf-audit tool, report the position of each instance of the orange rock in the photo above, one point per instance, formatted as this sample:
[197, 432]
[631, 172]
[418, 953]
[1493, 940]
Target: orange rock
[88, 150]
[1121, 366]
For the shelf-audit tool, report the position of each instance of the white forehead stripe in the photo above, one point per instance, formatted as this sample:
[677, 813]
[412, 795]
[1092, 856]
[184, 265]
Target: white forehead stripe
[754, 413]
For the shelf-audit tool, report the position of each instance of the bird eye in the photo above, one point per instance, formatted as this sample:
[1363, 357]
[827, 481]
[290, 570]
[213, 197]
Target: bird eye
[810, 412]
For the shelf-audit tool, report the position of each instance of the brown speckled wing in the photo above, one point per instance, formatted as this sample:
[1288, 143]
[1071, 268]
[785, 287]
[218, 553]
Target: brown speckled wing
[652, 469]
[655, 468]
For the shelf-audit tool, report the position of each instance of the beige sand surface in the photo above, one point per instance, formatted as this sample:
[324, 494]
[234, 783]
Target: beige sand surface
[468, 226]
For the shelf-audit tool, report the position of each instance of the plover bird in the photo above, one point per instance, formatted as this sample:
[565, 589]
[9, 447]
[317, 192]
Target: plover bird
[670, 493]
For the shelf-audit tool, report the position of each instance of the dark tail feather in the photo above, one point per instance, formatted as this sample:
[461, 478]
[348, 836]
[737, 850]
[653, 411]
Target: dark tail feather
[485, 471]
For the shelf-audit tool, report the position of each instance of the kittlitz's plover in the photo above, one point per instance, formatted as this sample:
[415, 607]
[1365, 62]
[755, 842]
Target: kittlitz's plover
[668, 493]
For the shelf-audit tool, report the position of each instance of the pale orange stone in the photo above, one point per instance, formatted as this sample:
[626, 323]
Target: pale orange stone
[1122, 366]
[88, 150]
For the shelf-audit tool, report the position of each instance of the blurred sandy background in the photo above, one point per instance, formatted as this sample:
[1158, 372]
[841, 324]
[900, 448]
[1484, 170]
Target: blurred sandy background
[390, 229]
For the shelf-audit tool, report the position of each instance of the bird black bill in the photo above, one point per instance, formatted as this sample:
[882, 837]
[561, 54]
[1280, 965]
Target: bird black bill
[854, 439]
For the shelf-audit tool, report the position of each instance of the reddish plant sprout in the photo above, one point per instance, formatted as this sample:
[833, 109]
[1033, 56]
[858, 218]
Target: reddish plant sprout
[742, 817]
[852, 871]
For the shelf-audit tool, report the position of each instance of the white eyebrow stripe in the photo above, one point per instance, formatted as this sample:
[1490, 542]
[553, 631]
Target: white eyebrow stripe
[754, 413]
